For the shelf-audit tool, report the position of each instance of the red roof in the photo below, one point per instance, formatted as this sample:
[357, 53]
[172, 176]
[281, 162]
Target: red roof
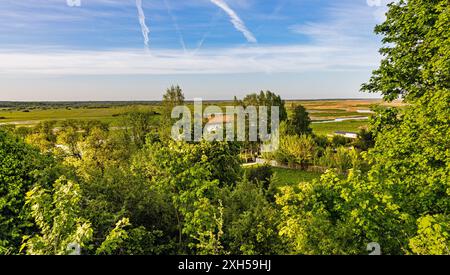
[220, 119]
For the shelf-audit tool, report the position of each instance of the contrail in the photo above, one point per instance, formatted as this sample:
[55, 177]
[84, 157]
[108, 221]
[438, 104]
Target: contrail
[212, 24]
[175, 23]
[145, 30]
[235, 20]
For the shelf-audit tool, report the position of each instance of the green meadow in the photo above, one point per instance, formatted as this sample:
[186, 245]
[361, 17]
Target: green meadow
[110, 112]
[284, 176]
[30, 117]
[332, 127]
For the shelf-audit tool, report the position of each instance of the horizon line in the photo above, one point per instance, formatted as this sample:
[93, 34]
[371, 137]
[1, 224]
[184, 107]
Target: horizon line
[160, 100]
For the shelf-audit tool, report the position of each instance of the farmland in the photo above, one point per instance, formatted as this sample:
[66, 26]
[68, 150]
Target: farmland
[28, 114]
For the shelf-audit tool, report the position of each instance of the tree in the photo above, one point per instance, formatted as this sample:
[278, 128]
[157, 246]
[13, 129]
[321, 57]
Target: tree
[139, 125]
[403, 201]
[57, 213]
[173, 97]
[190, 176]
[365, 140]
[416, 50]
[260, 175]
[57, 216]
[118, 192]
[296, 150]
[43, 136]
[250, 221]
[412, 156]
[21, 167]
[299, 123]
[267, 99]
[433, 236]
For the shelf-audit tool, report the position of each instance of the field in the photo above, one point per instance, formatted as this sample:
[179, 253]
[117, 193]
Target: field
[285, 176]
[344, 108]
[332, 127]
[29, 117]
[321, 111]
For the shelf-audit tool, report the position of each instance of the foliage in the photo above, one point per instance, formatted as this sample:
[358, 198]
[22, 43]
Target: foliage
[403, 201]
[365, 140]
[267, 99]
[115, 239]
[250, 221]
[191, 174]
[433, 236]
[57, 213]
[138, 125]
[336, 216]
[296, 150]
[57, 216]
[416, 50]
[21, 167]
[299, 123]
[260, 174]
[339, 140]
[192, 198]
[173, 97]
[342, 159]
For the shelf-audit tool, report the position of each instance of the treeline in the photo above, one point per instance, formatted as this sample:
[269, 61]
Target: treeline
[21, 105]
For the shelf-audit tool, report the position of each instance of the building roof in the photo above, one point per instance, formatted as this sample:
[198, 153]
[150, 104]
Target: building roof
[220, 119]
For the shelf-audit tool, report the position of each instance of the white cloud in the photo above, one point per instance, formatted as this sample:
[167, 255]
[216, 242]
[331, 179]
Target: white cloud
[342, 42]
[380, 7]
[347, 25]
[269, 59]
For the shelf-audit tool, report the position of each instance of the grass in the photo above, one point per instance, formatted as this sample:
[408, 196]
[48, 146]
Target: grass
[35, 116]
[332, 109]
[331, 127]
[332, 115]
[284, 176]
[110, 112]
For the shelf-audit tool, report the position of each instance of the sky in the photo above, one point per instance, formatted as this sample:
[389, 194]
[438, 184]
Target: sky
[213, 49]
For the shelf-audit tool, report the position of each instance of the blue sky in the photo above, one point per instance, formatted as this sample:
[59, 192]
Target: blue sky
[214, 49]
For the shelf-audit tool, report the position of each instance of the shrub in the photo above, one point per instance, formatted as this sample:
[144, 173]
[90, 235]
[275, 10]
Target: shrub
[260, 174]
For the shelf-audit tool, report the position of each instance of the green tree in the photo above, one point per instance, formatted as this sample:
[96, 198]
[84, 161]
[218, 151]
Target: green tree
[250, 221]
[296, 150]
[57, 213]
[173, 97]
[416, 50]
[433, 236]
[138, 125]
[267, 99]
[57, 216]
[21, 167]
[365, 140]
[190, 175]
[403, 201]
[300, 122]
[412, 156]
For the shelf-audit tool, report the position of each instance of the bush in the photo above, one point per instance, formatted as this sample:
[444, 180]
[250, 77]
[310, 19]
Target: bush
[260, 174]
[341, 141]
[341, 159]
[21, 167]
[296, 150]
